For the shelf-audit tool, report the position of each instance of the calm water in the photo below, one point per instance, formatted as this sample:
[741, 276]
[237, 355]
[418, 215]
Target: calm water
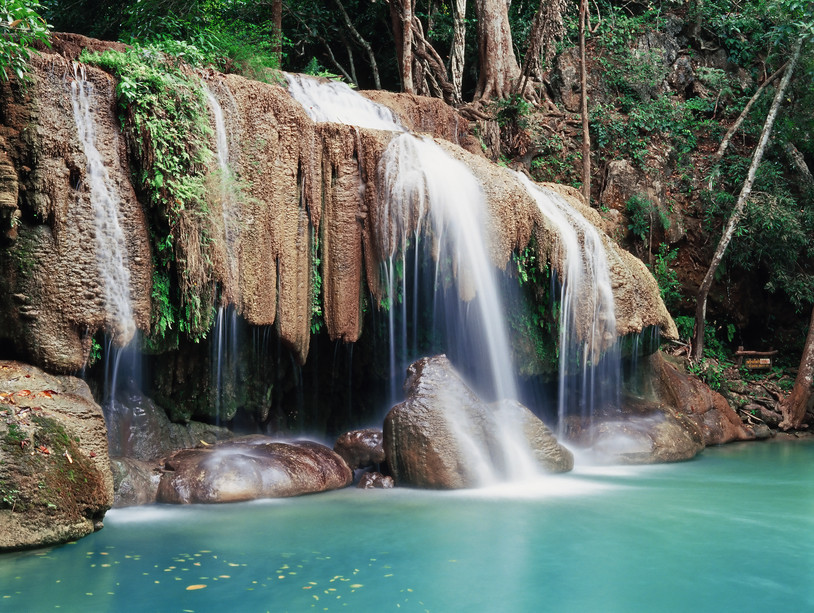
[731, 531]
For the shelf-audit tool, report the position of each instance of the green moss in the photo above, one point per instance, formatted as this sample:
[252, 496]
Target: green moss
[165, 119]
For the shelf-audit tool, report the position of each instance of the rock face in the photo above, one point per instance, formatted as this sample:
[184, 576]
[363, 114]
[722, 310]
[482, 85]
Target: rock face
[52, 293]
[673, 419]
[251, 467]
[139, 429]
[707, 409]
[445, 437]
[55, 479]
[309, 191]
[361, 448]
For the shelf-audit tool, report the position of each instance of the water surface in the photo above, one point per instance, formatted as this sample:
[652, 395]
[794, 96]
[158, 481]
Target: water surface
[730, 531]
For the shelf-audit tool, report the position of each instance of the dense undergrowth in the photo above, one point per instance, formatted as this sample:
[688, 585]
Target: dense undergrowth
[165, 119]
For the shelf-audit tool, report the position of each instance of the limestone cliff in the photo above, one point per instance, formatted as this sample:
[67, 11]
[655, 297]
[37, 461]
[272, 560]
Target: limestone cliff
[53, 298]
[300, 192]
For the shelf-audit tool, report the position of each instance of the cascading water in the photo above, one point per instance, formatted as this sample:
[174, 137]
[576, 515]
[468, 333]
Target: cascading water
[427, 192]
[224, 358]
[229, 210]
[111, 257]
[590, 366]
[110, 241]
[335, 102]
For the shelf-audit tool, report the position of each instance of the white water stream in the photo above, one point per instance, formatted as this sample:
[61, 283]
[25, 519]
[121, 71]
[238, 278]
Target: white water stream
[587, 318]
[111, 256]
[229, 210]
[429, 193]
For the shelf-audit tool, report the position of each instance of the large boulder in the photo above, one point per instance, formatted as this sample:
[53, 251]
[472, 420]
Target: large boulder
[138, 428]
[445, 437]
[251, 467]
[646, 439]
[707, 409]
[671, 417]
[361, 448]
[55, 479]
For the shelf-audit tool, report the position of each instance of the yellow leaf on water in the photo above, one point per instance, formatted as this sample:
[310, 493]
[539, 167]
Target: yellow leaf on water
[197, 586]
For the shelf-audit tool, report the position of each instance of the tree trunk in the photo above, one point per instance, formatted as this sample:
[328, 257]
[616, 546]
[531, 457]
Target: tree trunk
[407, 46]
[716, 159]
[586, 135]
[277, 21]
[456, 63]
[363, 43]
[401, 18]
[546, 29]
[737, 212]
[498, 64]
[793, 407]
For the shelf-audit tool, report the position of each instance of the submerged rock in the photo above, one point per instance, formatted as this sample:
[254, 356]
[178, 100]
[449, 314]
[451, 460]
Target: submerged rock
[375, 480]
[361, 448]
[651, 439]
[55, 480]
[445, 437]
[251, 467]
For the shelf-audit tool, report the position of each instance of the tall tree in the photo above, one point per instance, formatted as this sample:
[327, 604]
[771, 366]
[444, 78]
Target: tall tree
[793, 407]
[456, 53]
[401, 17]
[737, 212]
[547, 28]
[498, 64]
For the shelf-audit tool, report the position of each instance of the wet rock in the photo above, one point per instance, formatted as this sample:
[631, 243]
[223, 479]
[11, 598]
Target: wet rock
[135, 481]
[375, 480]
[689, 397]
[55, 479]
[659, 437]
[140, 429]
[251, 467]
[361, 448]
[445, 437]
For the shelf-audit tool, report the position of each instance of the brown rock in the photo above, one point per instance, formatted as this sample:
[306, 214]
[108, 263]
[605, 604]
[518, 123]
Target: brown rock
[55, 474]
[375, 480]
[706, 408]
[361, 448]
[53, 261]
[444, 437]
[251, 467]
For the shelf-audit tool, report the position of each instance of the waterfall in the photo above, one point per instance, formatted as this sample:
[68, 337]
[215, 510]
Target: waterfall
[110, 240]
[229, 209]
[335, 102]
[224, 359]
[424, 186]
[590, 366]
[427, 193]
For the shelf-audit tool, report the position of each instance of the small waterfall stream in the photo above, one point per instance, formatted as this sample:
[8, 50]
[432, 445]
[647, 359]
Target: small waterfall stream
[229, 209]
[111, 255]
[590, 365]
